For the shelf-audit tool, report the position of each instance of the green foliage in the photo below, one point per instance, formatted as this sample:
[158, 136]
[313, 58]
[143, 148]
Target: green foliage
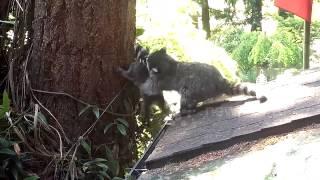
[121, 124]
[105, 167]
[285, 52]
[260, 51]
[242, 51]
[229, 38]
[253, 50]
[5, 106]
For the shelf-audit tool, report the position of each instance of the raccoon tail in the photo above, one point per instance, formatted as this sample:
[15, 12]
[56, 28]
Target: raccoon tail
[241, 89]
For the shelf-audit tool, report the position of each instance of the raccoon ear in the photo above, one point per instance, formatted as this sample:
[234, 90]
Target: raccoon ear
[163, 50]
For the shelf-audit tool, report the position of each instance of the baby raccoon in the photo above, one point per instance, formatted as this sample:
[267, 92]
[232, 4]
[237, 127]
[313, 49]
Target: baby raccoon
[195, 82]
[139, 75]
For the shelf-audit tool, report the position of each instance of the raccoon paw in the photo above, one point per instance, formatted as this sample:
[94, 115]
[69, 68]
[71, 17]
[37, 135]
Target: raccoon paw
[263, 99]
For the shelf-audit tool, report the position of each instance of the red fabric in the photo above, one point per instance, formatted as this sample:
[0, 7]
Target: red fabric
[301, 8]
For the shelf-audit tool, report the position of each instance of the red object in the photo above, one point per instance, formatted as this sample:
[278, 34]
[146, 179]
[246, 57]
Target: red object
[301, 8]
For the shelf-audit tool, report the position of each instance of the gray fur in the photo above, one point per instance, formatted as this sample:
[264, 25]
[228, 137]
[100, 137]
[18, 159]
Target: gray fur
[149, 90]
[195, 82]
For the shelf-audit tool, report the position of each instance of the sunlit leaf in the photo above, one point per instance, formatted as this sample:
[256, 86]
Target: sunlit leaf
[124, 122]
[122, 129]
[139, 31]
[42, 118]
[108, 126]
[84, 110]
[96, 111]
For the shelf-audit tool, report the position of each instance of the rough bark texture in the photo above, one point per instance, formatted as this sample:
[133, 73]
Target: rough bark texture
[4, 4]
[77, 44]
[205, 17]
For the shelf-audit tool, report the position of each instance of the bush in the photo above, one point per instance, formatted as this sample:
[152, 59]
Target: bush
[242, 51]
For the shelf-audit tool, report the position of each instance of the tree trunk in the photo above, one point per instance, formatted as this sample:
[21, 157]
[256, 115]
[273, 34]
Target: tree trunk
[205, 17]
[4, 5]
[256, 15]
[76, 47]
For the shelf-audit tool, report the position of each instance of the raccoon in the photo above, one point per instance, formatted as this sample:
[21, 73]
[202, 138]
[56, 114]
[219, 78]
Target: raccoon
[148, 87]
[195, 82]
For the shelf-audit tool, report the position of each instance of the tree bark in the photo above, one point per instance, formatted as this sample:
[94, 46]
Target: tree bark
[256, 15]
[76, 47]
[205, 17]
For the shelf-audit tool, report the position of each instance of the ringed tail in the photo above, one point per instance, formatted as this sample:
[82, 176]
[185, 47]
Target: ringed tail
[241, 89]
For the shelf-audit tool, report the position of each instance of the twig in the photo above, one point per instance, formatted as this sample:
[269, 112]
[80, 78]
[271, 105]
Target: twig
[18, 133]
[19, 5]
[95, 122]
[80, 101]
[49, 112]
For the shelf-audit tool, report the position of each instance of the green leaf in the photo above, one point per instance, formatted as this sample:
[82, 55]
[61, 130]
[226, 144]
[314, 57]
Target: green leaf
[97, 160]
[35, 177]
[5, 143]
[103, 166]
[123, 121]
[5, 104]
[114, 167]
[7, 151]
[139, 31]
[84, 110]
[122, 129]
[96, 111]
[108, 126]
[86, 146]
[42, 118]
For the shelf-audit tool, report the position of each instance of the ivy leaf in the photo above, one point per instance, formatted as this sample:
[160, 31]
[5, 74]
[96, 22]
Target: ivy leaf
[123, 121]
[122, 129]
